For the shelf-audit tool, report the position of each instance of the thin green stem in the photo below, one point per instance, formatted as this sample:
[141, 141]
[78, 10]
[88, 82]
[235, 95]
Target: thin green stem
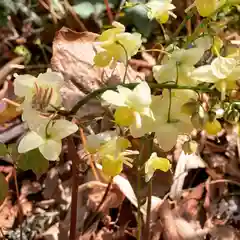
[181, 26]
[98, 92]
[126, 66]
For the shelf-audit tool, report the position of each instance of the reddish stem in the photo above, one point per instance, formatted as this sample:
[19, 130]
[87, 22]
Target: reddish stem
[109, 11]
[72, 153]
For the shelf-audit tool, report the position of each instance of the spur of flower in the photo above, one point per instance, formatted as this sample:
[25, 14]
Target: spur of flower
[41, 92]
[116, 45]
[132, 106]
[46, 134]
[223, 72]
[178, 67]
[160, 10]
[154, 163]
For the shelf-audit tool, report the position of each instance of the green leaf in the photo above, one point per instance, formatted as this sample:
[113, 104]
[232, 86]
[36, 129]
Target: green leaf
[3, 188]
[12, 150]
[3, 149]
[138, 17]
[84, 9]
[33, 160]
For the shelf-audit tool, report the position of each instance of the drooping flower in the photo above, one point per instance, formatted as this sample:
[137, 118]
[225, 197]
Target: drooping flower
[41, 92]
[223, 72]
[169, 124]
[111, 151]
[95, 141]
[117, 45]
[178, 67]
[46, 134]
[160, 10]
[154, 163]
[132, 106]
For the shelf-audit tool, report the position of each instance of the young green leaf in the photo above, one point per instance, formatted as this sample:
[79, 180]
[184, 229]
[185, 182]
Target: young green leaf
[33, 160]
[3, 149]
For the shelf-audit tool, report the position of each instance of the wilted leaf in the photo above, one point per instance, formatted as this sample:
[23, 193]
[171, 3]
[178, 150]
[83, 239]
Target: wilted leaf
[3, 188]
[8, 112]
[3, 149]
[73, 55]
[33, 160]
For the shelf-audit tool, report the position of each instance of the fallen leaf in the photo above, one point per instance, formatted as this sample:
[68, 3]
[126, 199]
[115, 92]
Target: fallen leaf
[73, 55]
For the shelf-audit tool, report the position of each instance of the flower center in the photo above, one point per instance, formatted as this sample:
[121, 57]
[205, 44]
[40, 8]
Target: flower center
[42, 97]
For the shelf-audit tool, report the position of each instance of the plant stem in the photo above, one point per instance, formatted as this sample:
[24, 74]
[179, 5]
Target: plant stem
[203, 23]
[109, 12]
[139, 215]
[18, 203]
[72, 153]
[149, 202]
[98, 92]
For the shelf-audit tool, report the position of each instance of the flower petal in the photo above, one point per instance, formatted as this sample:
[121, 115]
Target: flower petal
[222, 67]
[204, 74]
[143, 92]
[167, 136]
[30, 141]
[62, 128]
[165, 73]
[114, 98]
[23, 85]
[192, 56]
[51, 149]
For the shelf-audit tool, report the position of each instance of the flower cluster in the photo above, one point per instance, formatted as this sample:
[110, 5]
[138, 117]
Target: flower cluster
[40, 96]
[179, 108]
[116, 45]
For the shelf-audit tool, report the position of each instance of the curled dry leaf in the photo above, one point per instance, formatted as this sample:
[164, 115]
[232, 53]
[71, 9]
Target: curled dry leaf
[73, 55]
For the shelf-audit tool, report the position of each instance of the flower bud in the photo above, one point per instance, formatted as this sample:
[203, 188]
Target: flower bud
[213, 127]
[190, 107]
[206, 7]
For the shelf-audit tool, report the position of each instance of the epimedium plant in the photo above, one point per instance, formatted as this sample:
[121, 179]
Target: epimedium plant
[182, 76]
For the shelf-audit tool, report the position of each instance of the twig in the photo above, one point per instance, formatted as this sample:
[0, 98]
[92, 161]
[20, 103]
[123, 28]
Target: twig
[1, 231]
[18, 203]
[97, 92]
[109, 12]
[7, 68]
[70, 9]
[72, 153]
[149, 203]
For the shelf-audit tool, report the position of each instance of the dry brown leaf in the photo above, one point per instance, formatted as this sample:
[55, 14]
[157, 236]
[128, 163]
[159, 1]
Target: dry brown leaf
[167, 217]
[73, 55]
